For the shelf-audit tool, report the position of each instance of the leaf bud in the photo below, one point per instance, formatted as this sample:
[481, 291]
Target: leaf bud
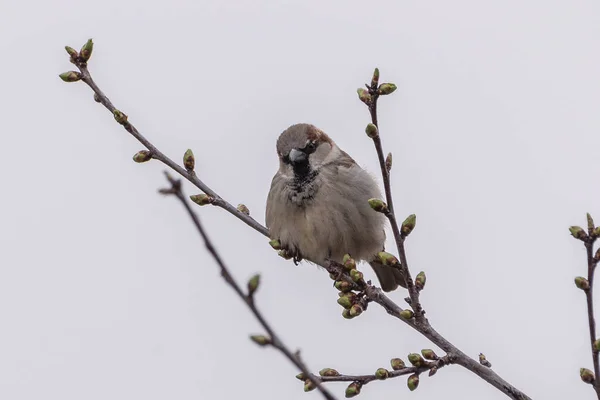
[397, 364]
[382, 374]
[70, 76]
[253, 284]
[202, 199]
[386, 88]
[189, 161]
[260, 340]
[413, 382]
[142, 156]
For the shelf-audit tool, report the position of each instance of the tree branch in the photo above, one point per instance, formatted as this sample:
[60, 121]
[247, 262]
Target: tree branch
[589, 294]
[273, 339]
[587, 285]
[218, 201]
[374, 91]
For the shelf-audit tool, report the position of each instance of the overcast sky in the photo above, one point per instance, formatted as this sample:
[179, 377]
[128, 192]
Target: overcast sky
[105, 289]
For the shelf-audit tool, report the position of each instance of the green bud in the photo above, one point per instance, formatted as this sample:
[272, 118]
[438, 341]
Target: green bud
[577, 232]
[375, 79]
[260, 340]
[582, 283]
[356, 275]
[189, 161]
[382, 374]
[309, 385]
[596, 232]
[328, 372]
[72, 52]
[70, 76]
[397, 364]
[406, 314]
[372, 131]
[597, 344]
[253, 284]
[353, 389]
[590, 222]
[356, 310]
[301, 376]
[345, 301]
[483, 361]
[413, 382]
[388, 162]
[364, 96]
[386, 88]
[346, 314]
[243, 209]
[420, 280]
[586, 375]
[388, 259]
[343, 286]
[378, 205]
[416, 359]
[142, 156]
[349, 262]
[597, 255]
[275, 244]
[86, 50]
[202, 199]
[429, 354]
[120, 117]
[408, 225]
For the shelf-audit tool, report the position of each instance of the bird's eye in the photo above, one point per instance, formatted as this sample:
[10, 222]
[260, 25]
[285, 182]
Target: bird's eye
[286, 159]
[310, 147]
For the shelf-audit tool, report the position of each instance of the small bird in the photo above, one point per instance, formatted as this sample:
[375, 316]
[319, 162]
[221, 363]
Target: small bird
[318, 204]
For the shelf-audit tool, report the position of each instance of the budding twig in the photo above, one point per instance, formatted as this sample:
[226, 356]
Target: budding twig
[419, 322]
[374, 91]
[272, 339]
[587, 285]
[81, 63]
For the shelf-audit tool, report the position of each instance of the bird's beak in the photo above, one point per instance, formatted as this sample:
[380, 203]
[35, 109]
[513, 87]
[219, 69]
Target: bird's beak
[298, 157]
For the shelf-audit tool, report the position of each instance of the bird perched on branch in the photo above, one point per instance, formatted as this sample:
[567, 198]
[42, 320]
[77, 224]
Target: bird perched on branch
[318, 204]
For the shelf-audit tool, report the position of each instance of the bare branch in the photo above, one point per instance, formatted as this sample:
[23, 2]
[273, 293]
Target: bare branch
[382, 374]
[190, 175]
[374, 91]
[273, 339]
[587, 285]
[374, 294]
[370, 96]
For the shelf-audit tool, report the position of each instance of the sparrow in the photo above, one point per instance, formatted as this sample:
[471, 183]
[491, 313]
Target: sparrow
[318, 207]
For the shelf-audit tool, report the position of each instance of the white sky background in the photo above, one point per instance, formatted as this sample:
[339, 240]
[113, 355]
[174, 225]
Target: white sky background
[105, 289]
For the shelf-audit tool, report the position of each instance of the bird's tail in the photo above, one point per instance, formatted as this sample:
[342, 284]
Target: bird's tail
[389, 277]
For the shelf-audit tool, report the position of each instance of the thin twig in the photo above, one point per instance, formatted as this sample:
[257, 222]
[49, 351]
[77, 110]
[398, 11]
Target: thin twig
[589, 295]
[419, 322]
[218, 201]
[275, 341]
[376, 295]
[591, 321]
[364, 379]
[391, 216]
